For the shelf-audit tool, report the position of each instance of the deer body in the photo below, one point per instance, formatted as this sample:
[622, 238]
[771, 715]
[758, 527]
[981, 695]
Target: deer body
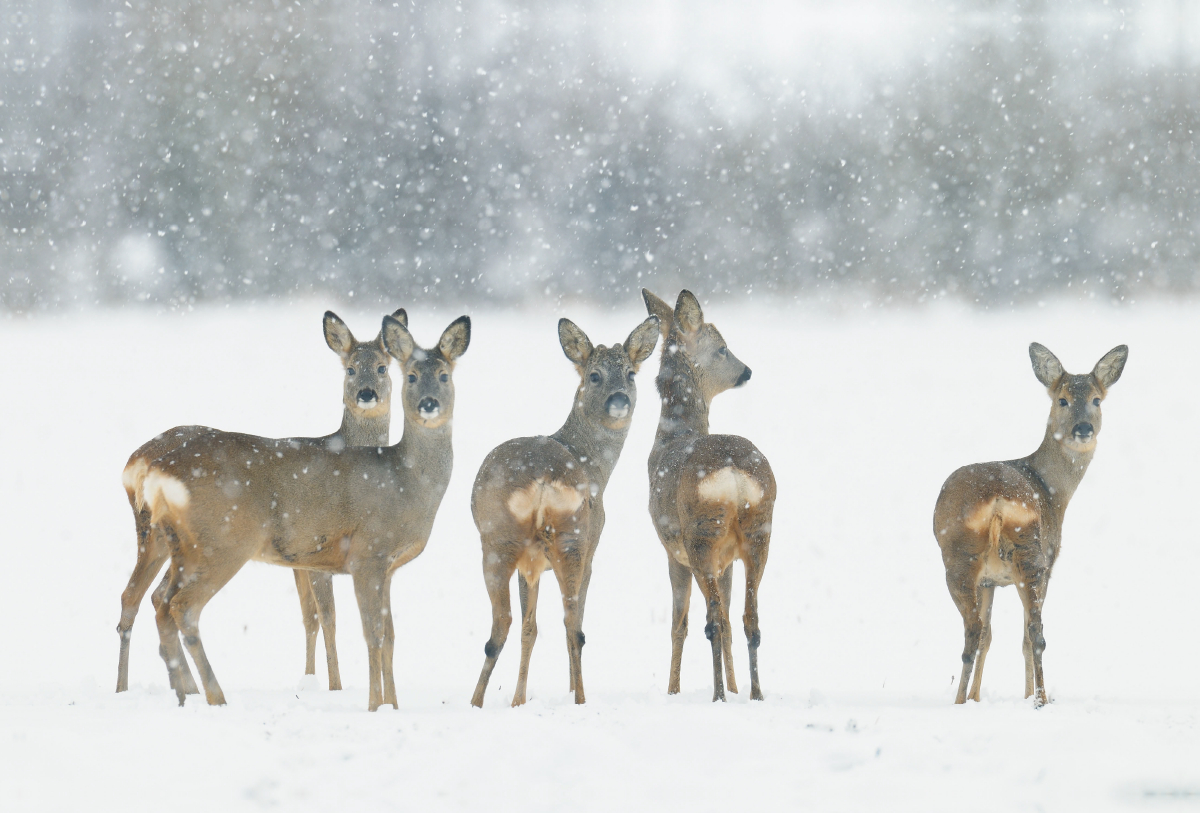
[712, 497]
[366, 417]
[539, 502]
[227, 498]
[1000, 524]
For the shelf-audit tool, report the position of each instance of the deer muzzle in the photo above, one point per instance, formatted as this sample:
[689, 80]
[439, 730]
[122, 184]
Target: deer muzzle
[429, 408]
[367, 398]
[743, 378]
[618, 406]
[1083, 431]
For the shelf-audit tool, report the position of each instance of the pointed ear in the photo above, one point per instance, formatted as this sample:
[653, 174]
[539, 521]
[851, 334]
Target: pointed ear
[656, 307]
[337, 335]
[688, 313]
[575, 342]
[1046, 365]
[396, 339]
[641, 341]
[455, 339]
[1109, 368]
[401, 316]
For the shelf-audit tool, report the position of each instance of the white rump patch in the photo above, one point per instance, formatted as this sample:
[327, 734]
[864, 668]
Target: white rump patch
[730, 485]
[540, 496]
[165, 488]
[132, 478]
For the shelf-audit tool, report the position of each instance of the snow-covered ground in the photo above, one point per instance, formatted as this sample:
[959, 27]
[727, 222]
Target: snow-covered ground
[862, 417]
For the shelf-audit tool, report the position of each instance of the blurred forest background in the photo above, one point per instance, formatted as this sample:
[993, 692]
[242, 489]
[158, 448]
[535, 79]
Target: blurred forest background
[182, 151]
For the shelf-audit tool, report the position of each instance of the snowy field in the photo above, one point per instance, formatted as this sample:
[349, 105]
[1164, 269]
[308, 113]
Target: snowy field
[862, 416]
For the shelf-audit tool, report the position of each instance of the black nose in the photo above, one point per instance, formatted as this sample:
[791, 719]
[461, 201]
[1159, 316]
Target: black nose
[743, 378]
[428, 405]
[367, 395]
[1083, 430]
[617, 405]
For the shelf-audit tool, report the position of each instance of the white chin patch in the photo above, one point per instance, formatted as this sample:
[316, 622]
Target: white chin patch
[368, 404]
[429, 416]
[618, 412]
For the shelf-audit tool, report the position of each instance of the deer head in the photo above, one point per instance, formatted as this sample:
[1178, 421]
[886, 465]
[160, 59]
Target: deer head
[1075, 399]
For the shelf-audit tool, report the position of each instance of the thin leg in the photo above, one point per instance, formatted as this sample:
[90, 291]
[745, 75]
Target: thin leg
[725, 583]
[986, 594]
[321, 585]
[755, 563]
[368, 589]
[496, 575]
[712, 630]
[308, 612]
[198, 584]
[1032, 593]
[168, 632]
[568, 561]
[151, 555]
[389, 644]
[681, 594]
[529, 596]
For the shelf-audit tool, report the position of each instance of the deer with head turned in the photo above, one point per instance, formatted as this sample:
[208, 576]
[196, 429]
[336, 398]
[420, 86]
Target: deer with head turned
[1001, 523]
[711, 496]
[539, 502]
[366, 395]
[227, 498]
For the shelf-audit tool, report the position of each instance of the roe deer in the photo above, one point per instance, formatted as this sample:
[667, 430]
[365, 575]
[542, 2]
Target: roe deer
[366, 394]
[711, 496]
[539, 502]
[1001, 523]
[228, 498]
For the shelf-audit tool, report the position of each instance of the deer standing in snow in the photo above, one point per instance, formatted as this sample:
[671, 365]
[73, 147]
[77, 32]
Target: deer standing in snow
[1001, 523]
[539, 502]
[366, 395]
[711, 496]
[227, 498]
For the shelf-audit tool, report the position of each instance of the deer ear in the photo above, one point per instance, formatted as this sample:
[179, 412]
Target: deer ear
[1046, 365]
[401, 316]
[396, 339]
[688, 313]
[575, 343]
[641, 341]
[455, 339]
[656, 307]
[337, 335]
[1109, 368]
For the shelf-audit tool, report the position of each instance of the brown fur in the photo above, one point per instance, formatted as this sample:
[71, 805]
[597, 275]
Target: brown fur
[363, 424]
[539, 502]
[712, 497]
[227, 498]
[1001, 523]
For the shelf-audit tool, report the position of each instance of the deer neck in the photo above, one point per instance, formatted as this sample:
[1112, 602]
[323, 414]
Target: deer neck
[596, 446]
[1060, 469]
[684, 407]
[361, 431]
[428, 451]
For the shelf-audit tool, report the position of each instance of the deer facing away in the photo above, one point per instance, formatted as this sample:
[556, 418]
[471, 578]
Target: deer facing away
[1001, 523]
[711, 496]
[539, 502]
[366, 395]
[228, 498]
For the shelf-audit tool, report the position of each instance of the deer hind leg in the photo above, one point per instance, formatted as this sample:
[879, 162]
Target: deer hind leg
[369, 584]
[964, 589]
[713, 629]
[151, 555]
[528, 590]
[197, 586]
[308, 612]
[389, 643]
[681, 594]
[321, 585]
[725, 584]
[568, 568]
[986, 594]
[756, 562]
[1032, 592]
[496, 575]
[168, 634]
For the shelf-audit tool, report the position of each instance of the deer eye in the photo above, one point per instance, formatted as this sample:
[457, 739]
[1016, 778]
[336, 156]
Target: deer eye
[443, 378]
[382, 369]
[412, 378]
[349, 371]
[595, 378]
[1062, 401]
[631, 375]
[723, 350]
[1095, 402]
